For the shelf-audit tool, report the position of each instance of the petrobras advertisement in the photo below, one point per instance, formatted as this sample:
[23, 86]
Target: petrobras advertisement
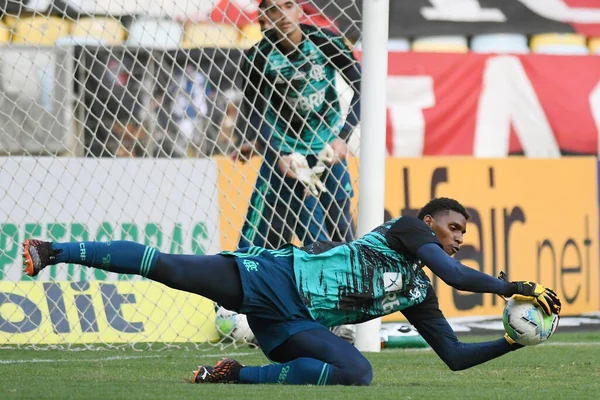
[168, 204]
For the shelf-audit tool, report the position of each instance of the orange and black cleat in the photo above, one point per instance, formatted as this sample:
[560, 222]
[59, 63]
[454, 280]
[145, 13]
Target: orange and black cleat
[224, 371]
[37, 255]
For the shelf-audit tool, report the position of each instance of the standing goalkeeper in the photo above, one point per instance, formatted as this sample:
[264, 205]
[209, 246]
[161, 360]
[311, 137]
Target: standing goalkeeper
[291, 108]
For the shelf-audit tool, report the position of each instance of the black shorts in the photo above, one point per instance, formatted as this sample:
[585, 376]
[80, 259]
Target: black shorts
[275, 309]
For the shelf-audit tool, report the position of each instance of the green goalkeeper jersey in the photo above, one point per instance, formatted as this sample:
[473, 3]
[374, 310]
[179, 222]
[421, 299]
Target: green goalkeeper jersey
[373, 276]
[294, 93]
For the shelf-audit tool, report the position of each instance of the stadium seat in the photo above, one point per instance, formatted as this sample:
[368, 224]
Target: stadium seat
[514, 43]
[210, 35]
[442, 44]
[107, 31]
[395, 44]
[559, 43]
[39, 30]
[250, 35]
[398, 44]
[10, 20]
[25, 72]
[160, 34]
[595, 46]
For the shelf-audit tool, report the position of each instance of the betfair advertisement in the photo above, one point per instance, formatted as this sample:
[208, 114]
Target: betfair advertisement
[102, 312]
[533, 219]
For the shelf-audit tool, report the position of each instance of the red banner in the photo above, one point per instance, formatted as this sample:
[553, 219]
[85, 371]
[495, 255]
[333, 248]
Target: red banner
[583, 15]
[493, 105]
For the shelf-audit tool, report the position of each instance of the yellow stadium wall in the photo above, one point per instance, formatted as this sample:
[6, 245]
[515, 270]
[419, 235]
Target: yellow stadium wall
[535, 219]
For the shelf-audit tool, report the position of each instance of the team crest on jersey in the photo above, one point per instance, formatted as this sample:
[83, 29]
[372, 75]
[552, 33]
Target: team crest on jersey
[251, 265]
[317, 73]
[415, 294]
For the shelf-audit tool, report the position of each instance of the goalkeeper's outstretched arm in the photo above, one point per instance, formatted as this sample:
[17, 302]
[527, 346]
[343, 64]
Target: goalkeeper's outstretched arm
[458, 355]
[462, 277]
[435, 329]
[458, 275]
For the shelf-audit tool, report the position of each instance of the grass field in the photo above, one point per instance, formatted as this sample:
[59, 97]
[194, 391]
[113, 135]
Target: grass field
[566, 367]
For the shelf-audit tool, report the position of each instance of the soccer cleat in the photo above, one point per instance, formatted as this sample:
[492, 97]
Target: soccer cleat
[37, 255]
[224, 371]
[202, 374]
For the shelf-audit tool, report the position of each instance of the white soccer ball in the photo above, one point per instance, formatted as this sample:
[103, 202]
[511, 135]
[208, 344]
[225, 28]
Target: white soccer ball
[242, 332]
[527, 324]
[234, 326]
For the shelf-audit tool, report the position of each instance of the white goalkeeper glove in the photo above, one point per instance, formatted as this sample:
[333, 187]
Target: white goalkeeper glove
[326, 155]
[324, 158]
[306, 175]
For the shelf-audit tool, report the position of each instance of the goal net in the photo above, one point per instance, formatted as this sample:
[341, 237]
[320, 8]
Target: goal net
[117, 121]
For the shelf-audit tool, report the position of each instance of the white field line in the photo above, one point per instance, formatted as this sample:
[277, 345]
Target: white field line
[121, 358]
[571, 344]
[111, 358]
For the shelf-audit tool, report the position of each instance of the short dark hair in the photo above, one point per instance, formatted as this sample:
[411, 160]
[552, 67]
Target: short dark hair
[442, 204]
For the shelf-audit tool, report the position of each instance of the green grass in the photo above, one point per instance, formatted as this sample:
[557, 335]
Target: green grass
[567, 367]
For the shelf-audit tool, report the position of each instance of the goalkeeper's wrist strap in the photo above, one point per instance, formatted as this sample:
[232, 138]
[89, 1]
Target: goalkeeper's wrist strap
[512, 288]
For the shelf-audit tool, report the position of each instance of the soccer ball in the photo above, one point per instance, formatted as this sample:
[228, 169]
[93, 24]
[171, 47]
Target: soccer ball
[234, 326]
[527, 324]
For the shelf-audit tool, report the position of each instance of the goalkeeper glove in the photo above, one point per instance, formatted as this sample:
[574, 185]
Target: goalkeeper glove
[324, 158]
[539, 295]
[306, 175]
[513, 344]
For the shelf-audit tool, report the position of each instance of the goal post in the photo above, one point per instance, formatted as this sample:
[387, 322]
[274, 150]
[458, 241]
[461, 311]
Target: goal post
[372, 143]
[117, 124]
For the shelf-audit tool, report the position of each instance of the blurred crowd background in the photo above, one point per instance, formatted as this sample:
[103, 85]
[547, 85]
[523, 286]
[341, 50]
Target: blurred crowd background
[161, 77]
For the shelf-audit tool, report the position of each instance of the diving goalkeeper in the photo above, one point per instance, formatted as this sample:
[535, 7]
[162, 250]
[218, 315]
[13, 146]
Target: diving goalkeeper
[291, 295]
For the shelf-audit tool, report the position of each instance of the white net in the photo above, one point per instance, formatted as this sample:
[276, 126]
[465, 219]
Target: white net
[117, 122]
